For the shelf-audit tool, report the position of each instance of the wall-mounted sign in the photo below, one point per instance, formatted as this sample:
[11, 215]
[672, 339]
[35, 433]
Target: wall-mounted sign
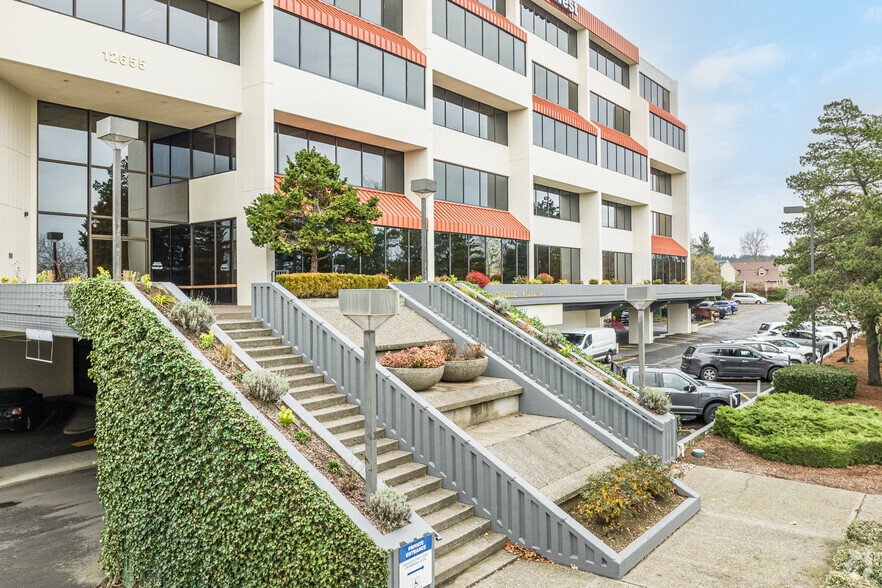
[124, 60]
[415, 564]
[570, 6]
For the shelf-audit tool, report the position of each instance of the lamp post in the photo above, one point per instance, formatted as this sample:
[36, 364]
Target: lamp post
[369, 309]
[801, 210]
[117, 133]
[424, 188]
[641, 298]
[55, 238]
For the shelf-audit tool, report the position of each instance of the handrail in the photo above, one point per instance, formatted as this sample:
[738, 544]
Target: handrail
[627, 421]
[513, 506]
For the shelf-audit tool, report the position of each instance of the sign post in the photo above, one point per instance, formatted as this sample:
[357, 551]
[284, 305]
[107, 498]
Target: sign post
[641, 298]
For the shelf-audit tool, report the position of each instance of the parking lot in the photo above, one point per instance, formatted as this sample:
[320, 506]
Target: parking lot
[47, 439]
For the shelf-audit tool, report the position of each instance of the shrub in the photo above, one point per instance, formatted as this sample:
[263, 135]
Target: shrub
[858, 561]
[521, 279]
[606, 282]
[328, 285]
[476, 277]
[656, 282]
[551, 337]
[302, 436]
[450, 349]
[656, 401]
[334, 466]
[193, 316]
[865, 532]
[430, 356]
[501, 305]
[286, 417]
[534, 281]
[823, 382]
[593, 281]
[545, 278]
[206, 340]
[391, 507]
[265, 385]
[189, 480]
[496, 278]
[796, 429]
[613, 497]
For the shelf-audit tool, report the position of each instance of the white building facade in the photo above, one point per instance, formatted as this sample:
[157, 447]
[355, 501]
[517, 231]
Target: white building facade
[556, 149]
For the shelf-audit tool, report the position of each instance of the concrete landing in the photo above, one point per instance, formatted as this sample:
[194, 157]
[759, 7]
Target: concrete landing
[475, 402]
[406, 329]
[552, 454]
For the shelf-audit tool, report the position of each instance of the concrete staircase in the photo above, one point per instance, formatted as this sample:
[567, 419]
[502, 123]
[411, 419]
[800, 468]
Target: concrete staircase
[468, 551]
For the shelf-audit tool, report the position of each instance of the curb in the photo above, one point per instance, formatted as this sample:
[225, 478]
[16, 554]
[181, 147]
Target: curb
[47, 468]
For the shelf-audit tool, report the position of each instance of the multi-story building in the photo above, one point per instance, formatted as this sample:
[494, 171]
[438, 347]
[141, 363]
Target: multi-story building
[554, 146]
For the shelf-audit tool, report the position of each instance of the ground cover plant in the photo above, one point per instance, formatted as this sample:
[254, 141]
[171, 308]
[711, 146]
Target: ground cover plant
[796, 429]
[858, 561]
[823, 382]
[195, 491]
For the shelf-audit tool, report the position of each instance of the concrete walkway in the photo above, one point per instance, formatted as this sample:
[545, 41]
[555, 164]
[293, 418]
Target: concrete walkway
[751, 531]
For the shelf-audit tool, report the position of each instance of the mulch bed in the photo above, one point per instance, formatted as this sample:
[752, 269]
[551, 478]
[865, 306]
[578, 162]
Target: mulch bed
[634, 527]
[866, 394]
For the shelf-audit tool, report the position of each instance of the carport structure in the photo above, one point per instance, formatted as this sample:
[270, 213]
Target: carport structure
[565, 306]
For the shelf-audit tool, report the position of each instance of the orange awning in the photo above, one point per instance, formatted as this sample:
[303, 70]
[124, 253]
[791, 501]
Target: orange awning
[622, 139]
[477, 220]
[660, 112]
[493, 18]
[397, 210]
[564, 115]
[667, 246]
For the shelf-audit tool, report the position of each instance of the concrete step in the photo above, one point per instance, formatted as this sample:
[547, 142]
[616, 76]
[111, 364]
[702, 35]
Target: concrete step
[450, 565]
[239, 324]
[247, 344]
[233, 315]
[419, 486]
[384, 445]
[350, 423]
[461, 533]
[237, 334]
[278, 360]
[449, 515]
[433, 501]
[393, 458]
[354, 437]
[403, 473]
[307, 379]
[304, 392]
[269, 351]
[481, 570]
[472, 403]
[323, 401]
[335, 413]
[292, 370]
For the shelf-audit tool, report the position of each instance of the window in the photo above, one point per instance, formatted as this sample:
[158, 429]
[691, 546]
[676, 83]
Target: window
[469, 116]
[179, 154]
[555, 88]
[562, 263]
[554, 203]
[622, 160]
[615, 215]
[655, 93]
[496, 5]
[675, 381]
[660, 181]
[466, 29]
[670, 269]
[608, 64]
[661, 224]
[500, 259]
[361, 164]
[470, 186]
[386, 13]
[308, 46]
[566, 140]
[617, 267]
[214, 149]
[667, 132]
[549, 28]
[610, 114]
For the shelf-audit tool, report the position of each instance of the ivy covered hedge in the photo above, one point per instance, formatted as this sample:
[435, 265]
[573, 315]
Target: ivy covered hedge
[195, 492]
[823, 382]
[327, 285]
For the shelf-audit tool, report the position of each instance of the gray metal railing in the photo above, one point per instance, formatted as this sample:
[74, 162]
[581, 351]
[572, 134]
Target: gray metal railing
[513, 506]
[627, 421]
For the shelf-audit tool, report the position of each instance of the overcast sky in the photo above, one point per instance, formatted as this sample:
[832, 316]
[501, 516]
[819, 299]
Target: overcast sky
[754, 77]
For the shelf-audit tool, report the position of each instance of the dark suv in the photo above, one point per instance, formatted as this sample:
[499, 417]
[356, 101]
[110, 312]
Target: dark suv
[729, 360]
[689, 397]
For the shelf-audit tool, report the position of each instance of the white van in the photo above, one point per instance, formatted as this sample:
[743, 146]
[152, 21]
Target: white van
[598, 342]
[748, 297]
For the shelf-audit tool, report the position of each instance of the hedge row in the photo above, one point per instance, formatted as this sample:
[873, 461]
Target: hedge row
[823, 382]
[315, 285]
[858, 561]
[796, 429]
[195, 491]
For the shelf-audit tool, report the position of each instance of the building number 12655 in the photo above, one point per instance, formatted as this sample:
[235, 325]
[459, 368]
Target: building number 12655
[124, 60]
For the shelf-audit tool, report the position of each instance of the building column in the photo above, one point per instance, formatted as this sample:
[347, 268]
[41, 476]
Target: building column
[679, 318]
[633, 334]
[593, 318]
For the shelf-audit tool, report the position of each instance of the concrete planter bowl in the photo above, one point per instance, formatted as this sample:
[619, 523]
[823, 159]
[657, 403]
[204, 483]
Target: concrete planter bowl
[418, 379]
[464, 370]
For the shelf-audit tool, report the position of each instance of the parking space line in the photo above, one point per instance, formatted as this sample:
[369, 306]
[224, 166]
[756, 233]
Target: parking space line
[624, 360]
[84, 443]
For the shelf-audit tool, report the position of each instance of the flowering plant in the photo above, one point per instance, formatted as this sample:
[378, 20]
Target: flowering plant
[430, 356]
[476, 277]
[545, 278]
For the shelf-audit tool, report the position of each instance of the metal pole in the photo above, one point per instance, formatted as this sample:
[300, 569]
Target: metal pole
[424, 236]
[370, 412]
[117, 215]
[641, 343]
[812, 262]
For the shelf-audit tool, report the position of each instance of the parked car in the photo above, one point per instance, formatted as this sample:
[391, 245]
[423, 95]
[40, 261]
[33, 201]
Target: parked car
[749, 297]
[729, 360]
[724, 310]
[770, 349]
[625, 317]
[822, 343]
[725, 305]
[20, 409]
[705, 313]
[832, 331]
[689, 397]
[807, 353]
[595, 341]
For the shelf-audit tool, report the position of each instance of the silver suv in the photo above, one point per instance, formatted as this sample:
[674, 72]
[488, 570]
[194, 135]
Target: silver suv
[689, 397]
[729, 360]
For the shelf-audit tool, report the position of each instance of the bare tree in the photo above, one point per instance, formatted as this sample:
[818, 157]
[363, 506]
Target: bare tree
[753, 244]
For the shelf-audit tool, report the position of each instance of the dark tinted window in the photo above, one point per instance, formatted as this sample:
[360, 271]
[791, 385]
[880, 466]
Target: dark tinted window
[469, 116]
[471, 186]
[538, 21]
[610, 114]
[467, 29]
[554, 135]
[655, 93]
[555, 88]
[608, 64]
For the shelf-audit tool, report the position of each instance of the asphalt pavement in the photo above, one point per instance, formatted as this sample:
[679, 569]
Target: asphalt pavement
[47, 439]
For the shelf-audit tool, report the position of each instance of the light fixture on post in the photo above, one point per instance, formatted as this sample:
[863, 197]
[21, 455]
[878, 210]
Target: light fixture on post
[641, 298]
[117, 133]
[424, 188]
[369, 309]
[801, 210]
[55, 238]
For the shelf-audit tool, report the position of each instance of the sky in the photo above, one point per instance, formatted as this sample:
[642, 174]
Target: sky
[753, 78]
